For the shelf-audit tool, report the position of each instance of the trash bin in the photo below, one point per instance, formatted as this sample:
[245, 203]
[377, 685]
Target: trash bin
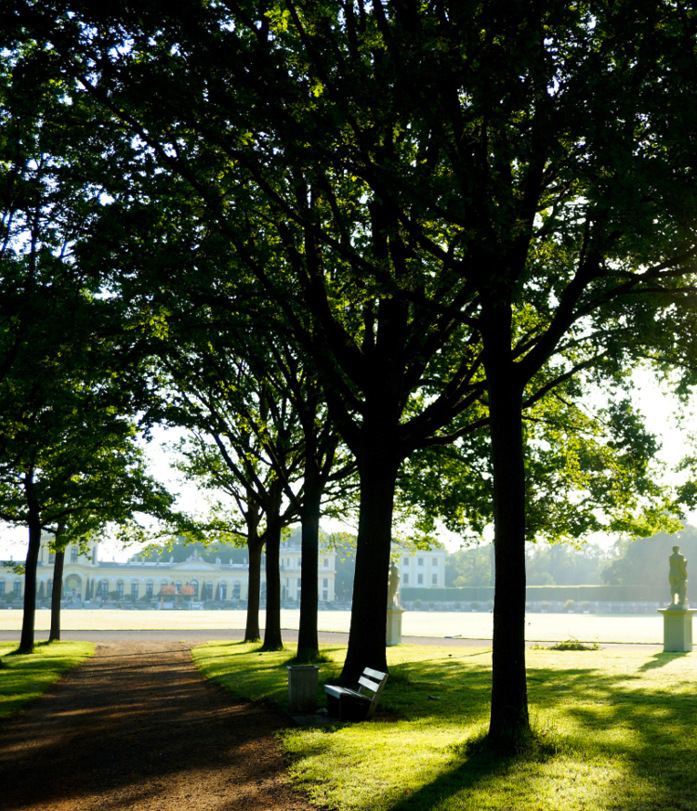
[302, 687]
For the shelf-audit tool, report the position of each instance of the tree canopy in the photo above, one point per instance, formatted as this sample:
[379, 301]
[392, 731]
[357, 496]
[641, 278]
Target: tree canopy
[458, 211]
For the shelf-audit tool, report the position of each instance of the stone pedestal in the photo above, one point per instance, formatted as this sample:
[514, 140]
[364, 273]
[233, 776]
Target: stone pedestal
[677, 629]
[394, 626]
[302, 687]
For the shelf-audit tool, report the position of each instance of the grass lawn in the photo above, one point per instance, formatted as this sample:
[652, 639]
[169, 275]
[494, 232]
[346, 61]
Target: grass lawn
[24, 678]
[617, 729]
[470, 625]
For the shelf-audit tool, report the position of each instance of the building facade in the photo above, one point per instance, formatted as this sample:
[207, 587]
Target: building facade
[89, 580]
[422, 569]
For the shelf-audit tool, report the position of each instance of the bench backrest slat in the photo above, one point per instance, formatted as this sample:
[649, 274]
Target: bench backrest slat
[369, 684]
[374, 681]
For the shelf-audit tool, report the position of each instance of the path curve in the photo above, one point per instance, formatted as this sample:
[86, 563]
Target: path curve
[137, 727]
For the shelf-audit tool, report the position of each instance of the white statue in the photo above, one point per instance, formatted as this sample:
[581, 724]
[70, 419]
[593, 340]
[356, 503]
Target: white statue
[677, 577]
[393, 587]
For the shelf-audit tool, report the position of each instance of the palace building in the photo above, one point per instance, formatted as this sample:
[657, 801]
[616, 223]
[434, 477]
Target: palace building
[88, 579]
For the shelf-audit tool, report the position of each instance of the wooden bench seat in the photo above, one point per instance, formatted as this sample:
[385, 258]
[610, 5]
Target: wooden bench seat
[348, 704]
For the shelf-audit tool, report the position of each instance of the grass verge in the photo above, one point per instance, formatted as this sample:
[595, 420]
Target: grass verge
[24, 678]
[615, 730]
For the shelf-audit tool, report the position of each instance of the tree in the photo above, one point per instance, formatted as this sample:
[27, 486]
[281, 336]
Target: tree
[260, 404]
[458, 207]
[237, 425]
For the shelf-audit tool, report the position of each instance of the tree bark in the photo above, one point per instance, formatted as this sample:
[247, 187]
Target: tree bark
[55, 632]
[368, 631]
[254, 548]
[509, 720]
[26, 642]
[272, 632]
[308, 641]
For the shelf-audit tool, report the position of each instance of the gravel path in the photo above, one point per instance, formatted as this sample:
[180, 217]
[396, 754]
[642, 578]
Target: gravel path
[137, 727]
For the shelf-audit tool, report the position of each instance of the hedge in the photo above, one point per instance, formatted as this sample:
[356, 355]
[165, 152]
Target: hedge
[538, 594]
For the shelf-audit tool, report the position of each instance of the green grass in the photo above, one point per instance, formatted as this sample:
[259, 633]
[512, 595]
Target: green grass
[615, 731]
[24, 678]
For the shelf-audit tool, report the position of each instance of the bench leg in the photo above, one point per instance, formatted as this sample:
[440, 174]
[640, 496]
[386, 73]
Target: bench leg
[353, 709]
[333, 706]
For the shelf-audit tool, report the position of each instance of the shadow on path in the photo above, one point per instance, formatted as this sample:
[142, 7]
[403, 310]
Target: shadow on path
[137, 727]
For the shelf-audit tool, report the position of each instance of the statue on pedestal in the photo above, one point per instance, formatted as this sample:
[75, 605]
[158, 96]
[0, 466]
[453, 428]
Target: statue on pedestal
[677, 577]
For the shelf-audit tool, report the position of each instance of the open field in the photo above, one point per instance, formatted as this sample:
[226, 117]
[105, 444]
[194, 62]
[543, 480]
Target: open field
[540, 627]
[615, 731]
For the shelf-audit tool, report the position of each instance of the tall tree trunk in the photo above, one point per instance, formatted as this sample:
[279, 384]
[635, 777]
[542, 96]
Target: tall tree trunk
[55, 632]
[254, 547]
[368, 631]
[272, 631]
[26, 643]
[509, 721]
[308, 642]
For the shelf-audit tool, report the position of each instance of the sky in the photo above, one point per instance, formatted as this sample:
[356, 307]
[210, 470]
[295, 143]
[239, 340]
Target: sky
[659, 409]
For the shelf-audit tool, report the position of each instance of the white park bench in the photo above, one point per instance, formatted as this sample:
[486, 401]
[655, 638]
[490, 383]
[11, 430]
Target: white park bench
[359, 704]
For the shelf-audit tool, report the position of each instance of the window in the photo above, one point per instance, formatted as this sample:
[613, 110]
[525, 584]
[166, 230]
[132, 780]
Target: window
[148, 588]
[325, 563]
[73, 554]
[434, 579]
[119, 587]
[223, 591]
[236, 591]
[419, 561]
[134, 589]
[405, 579]
[208, 591]
[420, 579]
[103, 589]
[194, 585]
[18, 588]
[2, 587]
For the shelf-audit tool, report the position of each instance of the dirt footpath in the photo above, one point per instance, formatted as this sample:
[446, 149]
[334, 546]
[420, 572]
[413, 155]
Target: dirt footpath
[137, 727]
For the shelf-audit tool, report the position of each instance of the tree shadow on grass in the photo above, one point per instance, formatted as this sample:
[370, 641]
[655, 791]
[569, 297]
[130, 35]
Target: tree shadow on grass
[628, 730]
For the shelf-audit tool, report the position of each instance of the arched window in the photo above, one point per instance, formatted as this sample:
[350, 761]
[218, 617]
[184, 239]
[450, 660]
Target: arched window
[18, 588]
[119, 587]
[149, 588]
[236, 591]
[103, 589]
[223, 591]
[208, 591]
[194, 586]
[134, 589]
